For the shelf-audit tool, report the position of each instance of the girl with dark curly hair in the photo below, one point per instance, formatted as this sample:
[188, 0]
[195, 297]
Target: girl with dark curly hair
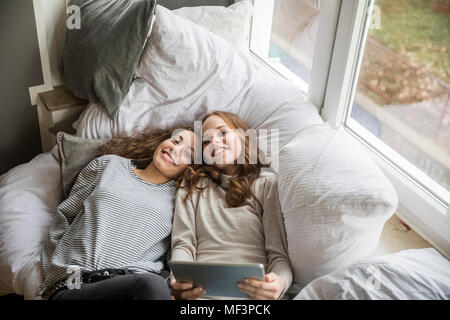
[110, 237]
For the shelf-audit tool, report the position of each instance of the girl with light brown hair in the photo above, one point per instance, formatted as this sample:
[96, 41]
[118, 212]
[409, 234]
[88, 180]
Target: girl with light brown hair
[227, 210]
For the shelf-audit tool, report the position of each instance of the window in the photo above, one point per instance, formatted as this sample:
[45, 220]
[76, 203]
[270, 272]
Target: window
[284, 34]
[403, 90]
[388, 85]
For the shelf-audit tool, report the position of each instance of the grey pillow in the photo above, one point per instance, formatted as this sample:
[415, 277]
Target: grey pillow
[100, 59]
[74, 154]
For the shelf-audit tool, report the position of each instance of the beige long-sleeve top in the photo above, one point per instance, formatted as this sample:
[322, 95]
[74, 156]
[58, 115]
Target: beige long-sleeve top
[207, 229]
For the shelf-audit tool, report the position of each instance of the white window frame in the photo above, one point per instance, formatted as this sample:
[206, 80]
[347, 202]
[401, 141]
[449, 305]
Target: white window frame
[418, 207]
[261, 26]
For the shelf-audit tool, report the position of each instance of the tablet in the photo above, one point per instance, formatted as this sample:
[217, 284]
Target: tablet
[218, 279]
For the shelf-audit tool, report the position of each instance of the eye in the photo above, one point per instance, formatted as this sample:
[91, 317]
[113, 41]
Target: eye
[224, 131]
[205, 142]
[175, 140]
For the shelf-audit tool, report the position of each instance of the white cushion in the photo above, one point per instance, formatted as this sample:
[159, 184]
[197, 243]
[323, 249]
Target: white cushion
[334, 198]
[185, 61]
[422, 274]
[231, 23]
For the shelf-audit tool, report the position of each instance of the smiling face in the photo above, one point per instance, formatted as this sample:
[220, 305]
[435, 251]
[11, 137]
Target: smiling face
[221, 144]
[175, 154]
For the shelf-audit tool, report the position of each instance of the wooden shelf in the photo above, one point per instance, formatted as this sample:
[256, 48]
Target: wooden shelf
[60, 98]
[57, 110]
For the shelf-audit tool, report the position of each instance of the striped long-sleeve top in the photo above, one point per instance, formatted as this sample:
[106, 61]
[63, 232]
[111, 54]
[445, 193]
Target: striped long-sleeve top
[111, 219]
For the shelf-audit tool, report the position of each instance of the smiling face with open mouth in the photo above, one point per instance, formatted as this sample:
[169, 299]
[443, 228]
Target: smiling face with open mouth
[175, 154]
[221, 145]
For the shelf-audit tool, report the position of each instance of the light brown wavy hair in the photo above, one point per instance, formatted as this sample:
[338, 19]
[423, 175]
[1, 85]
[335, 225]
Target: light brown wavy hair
[240, 184]
[139, 146]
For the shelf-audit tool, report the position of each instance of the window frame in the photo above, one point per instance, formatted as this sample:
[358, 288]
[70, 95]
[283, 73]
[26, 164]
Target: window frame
[329, 10]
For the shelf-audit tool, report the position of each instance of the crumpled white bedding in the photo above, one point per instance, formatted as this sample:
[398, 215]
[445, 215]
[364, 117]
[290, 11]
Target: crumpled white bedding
[29, 195]
[415, 274]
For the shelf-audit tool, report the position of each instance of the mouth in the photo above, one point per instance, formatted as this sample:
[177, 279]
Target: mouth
[217, 151]
[168, 157]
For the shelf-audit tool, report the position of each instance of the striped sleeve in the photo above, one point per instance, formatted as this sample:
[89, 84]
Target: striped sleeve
[73, 205]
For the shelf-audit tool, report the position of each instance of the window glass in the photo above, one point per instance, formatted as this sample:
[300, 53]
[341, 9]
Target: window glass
[403, 89]
[284, 35]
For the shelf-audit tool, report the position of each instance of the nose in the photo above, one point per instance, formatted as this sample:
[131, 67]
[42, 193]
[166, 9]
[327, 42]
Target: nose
[177, 151]
[215, 139]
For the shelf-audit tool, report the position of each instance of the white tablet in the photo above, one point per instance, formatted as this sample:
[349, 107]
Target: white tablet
[218, 279]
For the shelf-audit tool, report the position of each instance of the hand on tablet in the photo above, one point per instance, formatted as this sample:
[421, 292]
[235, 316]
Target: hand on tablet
[270, 289]
[185, 290]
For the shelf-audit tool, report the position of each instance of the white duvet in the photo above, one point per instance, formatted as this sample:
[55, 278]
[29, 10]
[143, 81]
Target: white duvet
[29, 195]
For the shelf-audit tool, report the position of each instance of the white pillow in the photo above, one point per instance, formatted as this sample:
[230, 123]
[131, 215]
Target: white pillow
[416, 274]
[335, 201]
[231, 23]
[187, 72]
[183, 60]
[184, 71]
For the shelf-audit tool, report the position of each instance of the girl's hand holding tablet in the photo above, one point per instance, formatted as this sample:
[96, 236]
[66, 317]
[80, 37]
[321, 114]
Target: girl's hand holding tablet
[270, 289]
[185, 290]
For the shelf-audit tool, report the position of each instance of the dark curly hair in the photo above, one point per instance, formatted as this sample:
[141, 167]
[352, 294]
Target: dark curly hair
[139, 146]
